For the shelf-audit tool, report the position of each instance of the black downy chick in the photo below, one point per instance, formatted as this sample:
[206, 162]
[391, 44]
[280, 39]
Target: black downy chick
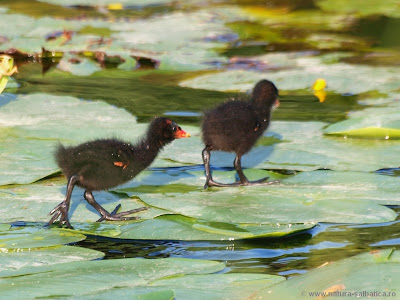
[105, 163]
[235, 126]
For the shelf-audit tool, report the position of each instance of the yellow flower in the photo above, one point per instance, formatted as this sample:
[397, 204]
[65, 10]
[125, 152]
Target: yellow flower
[318, 88]
[7, 65]
[7, 68]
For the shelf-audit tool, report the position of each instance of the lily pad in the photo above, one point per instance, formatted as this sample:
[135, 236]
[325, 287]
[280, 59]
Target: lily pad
[218, 286]
[373, 123]
[303, 70]
[367, 273]
[4, 227]
[25, 238]
[172, 47]
[190, 46]
[24, 262]
[369, 7]
[77, 65]
[33, 203]
[136, 293]
[302, 146]
[265, 205]
[108, 2]
[70, 280]
[138, 278]
[337, 185]
[176, 227]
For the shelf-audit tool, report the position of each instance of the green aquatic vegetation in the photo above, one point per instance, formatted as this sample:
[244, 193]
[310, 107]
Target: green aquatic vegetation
[143, 93]
[382, 122]
[302, 70]
[52, 119]
[270, 206]
[361, 7]
[369, 272]
[149, 38]
[70, 279]
[26, 260]
[106, 69]
[178, 227]
[26, 238]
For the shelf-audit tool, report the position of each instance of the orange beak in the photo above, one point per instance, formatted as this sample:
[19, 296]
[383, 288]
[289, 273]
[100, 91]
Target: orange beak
[181, 134]
[277, 103]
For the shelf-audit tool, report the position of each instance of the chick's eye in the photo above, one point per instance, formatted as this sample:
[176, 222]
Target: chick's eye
[174, 128]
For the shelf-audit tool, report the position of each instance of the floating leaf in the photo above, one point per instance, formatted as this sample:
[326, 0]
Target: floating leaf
[33, 203]
[369, 7]
[269, 205]
[300, 74]
[367, 273]
[372, 123]
[77, 65]
[218, 286]
[302, 146]
[336, 185]
[190, 46]
[22, 239]
[175, 227]
[25, 262]
[109, 3]
[70, 280]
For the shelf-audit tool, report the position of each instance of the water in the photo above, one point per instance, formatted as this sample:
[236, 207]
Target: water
[147, 92]
[288, 256]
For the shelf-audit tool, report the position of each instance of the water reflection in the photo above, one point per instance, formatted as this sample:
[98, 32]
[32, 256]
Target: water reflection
[288, 256]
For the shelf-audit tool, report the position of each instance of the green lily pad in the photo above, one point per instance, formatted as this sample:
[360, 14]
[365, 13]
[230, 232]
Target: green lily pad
[136, 293]
[107, 2]
[218, 286]
[234, 213]
[369, 7]
[23, 239]
[336, 185]
[33, 203]
[301, 74]
[269, 205]
[184, 48]
[373, 123]
[302, 147]
[309, 20]
[4, 227]
[70, 280]
[24, 262]
[369, 272]
[138, 278]
[176, 227]
[79, 66]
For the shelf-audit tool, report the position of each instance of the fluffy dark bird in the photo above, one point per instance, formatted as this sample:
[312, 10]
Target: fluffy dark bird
[235, 126]
[106, 163]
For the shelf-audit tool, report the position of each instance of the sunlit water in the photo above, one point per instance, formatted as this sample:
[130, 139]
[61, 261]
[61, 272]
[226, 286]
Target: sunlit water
[289, 256]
